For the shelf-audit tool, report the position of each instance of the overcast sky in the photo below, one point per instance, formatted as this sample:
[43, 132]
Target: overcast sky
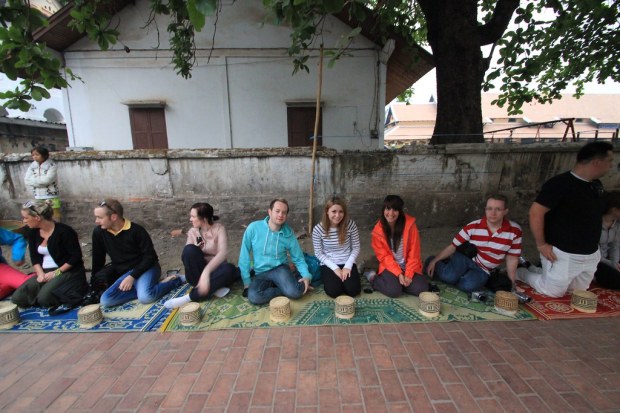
[35, 113]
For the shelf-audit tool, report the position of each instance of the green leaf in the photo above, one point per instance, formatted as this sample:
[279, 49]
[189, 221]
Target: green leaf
[333, 6]
[195, 16]
[23, 105]
[36, 94]
[206, 7]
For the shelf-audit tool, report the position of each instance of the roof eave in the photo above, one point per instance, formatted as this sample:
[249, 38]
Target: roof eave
[57, 35]
[406, 65]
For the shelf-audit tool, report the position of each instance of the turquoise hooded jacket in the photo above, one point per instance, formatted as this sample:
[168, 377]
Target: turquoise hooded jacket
[17, 241]
[269, 250]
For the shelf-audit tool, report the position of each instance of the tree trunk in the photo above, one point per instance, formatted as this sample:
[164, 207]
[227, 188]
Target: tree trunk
[455, 38]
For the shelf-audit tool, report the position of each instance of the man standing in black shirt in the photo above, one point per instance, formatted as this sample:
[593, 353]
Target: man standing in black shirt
[566, 220]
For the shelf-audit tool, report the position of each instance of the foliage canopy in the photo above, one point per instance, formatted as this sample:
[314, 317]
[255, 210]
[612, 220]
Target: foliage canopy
[551, 44]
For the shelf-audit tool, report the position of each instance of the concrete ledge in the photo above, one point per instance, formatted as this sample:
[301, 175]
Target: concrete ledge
[441, 185]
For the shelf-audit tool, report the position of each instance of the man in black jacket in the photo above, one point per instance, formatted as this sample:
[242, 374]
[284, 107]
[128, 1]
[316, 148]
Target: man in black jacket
[134, 269]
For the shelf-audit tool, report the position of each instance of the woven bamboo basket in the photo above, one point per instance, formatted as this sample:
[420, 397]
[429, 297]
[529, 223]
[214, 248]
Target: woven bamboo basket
[89, 316]
[189, 314]
[280, 309]
[345, 307]
[9, 315]
[584, 301]
[429, 304]
[506, 303]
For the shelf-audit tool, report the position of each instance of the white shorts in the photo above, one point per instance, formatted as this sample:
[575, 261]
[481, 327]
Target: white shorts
[569, 272]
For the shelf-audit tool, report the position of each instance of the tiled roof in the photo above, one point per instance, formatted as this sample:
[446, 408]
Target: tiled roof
[406, 65]
[416, 121]
[605, 107]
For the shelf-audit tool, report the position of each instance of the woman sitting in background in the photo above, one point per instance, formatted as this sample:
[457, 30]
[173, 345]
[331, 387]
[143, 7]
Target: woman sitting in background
[204, 257]
[396, 242]
[607, 273]
[336, 244]
[10, 278]
[56, 257]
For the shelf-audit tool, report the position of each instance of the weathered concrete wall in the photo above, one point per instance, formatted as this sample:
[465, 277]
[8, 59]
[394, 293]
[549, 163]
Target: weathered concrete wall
[441, 186]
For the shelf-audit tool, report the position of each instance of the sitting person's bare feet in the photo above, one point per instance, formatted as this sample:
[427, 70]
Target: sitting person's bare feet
[168, 278]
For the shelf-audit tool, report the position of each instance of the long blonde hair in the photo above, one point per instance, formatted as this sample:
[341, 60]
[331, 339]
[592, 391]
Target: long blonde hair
[342, 226]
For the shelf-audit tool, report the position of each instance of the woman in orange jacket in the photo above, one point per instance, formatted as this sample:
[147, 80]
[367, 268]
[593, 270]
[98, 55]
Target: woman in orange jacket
[396, 242]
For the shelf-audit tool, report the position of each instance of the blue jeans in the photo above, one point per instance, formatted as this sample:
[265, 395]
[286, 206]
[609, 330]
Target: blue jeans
[274, 283]
[461, 272]
[146, 288]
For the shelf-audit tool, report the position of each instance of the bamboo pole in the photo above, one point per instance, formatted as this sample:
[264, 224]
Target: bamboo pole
[314, 141]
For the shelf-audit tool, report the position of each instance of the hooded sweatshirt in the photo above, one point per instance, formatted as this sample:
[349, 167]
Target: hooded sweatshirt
[17, 242]
[42, 179]
[269, 250]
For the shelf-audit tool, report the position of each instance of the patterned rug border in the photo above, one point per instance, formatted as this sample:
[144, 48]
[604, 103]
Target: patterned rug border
[145, 317]
[549, 308]
[317, 309]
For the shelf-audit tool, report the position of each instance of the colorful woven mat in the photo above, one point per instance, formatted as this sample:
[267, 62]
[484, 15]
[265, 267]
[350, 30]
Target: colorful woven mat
[316, 308]
[131, 316]
[549, 308]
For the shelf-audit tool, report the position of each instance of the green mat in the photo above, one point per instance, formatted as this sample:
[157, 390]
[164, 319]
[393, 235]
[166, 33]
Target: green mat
[316, 308]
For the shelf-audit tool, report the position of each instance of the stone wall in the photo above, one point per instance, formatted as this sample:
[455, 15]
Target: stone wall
[442, 186]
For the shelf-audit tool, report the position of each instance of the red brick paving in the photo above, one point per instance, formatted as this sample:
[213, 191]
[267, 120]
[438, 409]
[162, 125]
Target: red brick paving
[533, 366]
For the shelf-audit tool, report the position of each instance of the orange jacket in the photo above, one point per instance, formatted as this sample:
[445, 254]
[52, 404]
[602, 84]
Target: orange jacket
[411, 249]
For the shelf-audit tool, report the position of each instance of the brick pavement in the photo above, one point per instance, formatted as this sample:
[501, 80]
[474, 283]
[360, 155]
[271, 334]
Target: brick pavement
[528, 366]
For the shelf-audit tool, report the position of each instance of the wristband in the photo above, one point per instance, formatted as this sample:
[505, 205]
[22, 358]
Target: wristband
[57, 272]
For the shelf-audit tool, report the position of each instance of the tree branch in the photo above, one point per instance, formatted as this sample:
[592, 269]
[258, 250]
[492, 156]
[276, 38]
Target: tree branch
[493, 30]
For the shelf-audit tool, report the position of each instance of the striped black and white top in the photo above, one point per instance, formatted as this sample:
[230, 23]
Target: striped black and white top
[330, 252]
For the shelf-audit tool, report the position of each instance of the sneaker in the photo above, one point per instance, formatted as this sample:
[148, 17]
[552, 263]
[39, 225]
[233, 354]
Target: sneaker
[523, 262]
[370, 275]
[61, 309]
[91, 297]
[221, 292]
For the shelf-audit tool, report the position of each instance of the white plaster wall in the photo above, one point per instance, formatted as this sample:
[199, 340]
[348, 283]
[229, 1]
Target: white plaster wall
[194, 111]
[262, 119]
[238, 99]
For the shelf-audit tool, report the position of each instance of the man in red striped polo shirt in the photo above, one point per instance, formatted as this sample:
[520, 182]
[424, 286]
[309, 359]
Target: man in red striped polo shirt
[496, 239]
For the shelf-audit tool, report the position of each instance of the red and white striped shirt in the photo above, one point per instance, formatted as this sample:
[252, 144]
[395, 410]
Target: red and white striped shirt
[492, 248]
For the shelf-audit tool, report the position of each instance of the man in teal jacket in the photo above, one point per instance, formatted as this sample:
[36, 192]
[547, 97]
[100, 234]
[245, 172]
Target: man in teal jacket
[270, 241]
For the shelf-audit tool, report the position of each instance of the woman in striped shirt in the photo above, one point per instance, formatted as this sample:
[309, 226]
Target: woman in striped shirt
[336, 244]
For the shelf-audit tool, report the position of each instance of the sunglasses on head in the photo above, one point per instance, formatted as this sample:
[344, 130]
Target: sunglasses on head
[105, 204]
[30, 205]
